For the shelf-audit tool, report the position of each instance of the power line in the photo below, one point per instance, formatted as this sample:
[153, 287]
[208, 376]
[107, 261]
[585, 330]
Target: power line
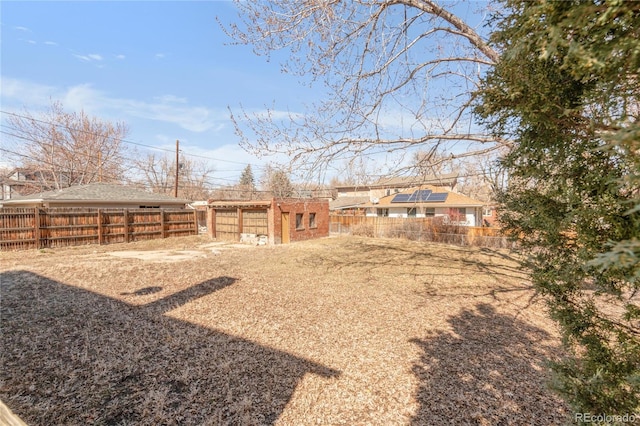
[87, 156]
[128, 141]
[164, 187]
[133, 161]
[209, 181]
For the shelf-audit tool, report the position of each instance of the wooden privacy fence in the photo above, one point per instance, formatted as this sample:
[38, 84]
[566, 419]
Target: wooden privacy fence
[421, 229]
[29, 228]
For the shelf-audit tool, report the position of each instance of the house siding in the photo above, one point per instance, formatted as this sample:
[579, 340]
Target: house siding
[471, 217]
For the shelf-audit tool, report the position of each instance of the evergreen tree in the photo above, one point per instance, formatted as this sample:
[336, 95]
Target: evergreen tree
[566, 90]
[247, 183]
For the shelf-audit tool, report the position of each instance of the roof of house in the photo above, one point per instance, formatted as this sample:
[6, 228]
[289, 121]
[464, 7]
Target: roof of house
[453, 199]
[446, 179]
[348, 202]
[443, 179]
[97, 192]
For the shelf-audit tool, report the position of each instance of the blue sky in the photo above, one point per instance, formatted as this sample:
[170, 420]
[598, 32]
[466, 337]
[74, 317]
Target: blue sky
[165, 68]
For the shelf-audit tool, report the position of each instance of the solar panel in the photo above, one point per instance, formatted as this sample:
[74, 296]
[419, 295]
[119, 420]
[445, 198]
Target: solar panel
[419, 195]
[400, 198]
[437, 198]
[423, 194]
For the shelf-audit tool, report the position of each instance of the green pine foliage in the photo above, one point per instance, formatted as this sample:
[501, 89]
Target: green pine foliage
[247, 181]
[567, 92]
[247, 184]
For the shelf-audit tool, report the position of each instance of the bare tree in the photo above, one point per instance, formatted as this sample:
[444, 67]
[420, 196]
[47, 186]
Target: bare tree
[434, 163]
[159, 173]
[229, 192]
[355, 171]
[401, 75]
[64, 149]
[277, 182]
[160, 176]
[482, 177]
[193, 183]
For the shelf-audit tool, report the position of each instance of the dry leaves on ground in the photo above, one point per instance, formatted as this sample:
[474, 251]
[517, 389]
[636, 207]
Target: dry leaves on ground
[332, 331]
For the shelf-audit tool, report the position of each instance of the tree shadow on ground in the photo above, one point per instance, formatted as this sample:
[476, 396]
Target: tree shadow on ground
[73, 357]
[488, 371]
[382, 253]
[426, 262]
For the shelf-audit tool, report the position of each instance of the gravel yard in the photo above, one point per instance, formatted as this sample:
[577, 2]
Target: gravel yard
[355, 331]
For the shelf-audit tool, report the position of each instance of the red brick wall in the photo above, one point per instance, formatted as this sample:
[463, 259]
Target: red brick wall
[304, 207]
[491, 220]
[292, 206]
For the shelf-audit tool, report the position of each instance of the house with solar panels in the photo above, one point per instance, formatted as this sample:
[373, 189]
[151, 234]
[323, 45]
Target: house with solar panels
[428, 201]
[351, 198]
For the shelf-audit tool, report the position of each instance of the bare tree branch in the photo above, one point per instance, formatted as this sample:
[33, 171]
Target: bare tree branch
[160, 176]
[68, 148]
[400, 74]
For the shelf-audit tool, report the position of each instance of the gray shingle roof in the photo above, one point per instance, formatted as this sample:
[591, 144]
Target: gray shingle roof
[101, 192]
[347, 202]
[446, 179]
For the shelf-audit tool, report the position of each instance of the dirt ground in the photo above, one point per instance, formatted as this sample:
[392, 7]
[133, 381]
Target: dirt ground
[357, 331]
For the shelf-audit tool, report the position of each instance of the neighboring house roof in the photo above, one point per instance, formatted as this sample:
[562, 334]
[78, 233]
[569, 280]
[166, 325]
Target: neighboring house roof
[348, 202]
[447, 179]
[96, 193]
[29, 173]
[453, 199]
[23, 181]
[443, 179]
[313, 193]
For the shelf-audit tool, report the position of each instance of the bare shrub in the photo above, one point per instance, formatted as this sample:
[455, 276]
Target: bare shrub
[410, 230]
[449, 233]
[363, 229]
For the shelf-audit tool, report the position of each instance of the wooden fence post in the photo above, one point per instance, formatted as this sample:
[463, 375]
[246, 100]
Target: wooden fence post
[195, 221]
[240, 225]
[211, 221]
[163, 230]
[36, 220]
[100, 231]
[125, 214]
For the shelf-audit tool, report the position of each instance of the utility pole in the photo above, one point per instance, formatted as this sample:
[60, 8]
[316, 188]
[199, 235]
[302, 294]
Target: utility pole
[175, 192]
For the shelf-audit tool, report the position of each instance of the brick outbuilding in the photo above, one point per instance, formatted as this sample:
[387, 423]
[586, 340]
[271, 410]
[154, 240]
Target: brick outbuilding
[278, 221]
